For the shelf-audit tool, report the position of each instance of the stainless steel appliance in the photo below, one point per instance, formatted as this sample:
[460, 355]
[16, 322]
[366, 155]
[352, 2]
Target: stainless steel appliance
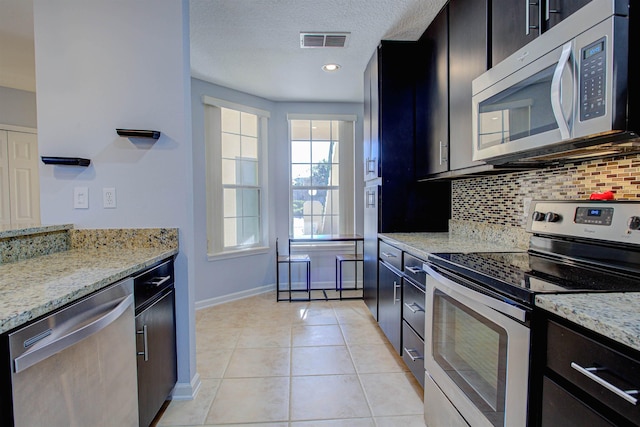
[480, 305]
[77, 367]
[569, 94]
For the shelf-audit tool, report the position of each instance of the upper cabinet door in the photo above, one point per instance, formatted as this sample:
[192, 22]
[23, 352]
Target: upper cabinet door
[468, 58]
[22, 151]
[371, 120]
[556, 10]
[5, 209]
[432, 99]
[514, 23]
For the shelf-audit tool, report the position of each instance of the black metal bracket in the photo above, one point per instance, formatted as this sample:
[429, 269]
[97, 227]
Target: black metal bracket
[138, 133]
[66, 161]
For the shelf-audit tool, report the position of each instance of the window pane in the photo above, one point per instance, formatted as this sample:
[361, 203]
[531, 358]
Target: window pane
[334, 178]
[230, 232]
[320, 175]
[230, 120]
[300, 175]
[249, 147]
[321, 129]
[250, 231]
[300, 129]
[298, 199]
[228, 171]
[249, 172]
[230, 202]
[321, 152]
[250, 202]
[249, 124]
[300, 151]
[230, 145]
[335, 130]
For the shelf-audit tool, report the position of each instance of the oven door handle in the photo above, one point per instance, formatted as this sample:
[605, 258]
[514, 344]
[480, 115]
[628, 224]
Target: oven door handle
[450, 287]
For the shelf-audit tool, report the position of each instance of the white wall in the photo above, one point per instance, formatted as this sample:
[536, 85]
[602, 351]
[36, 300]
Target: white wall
[217, 280]
[17, 107]
[104, 65]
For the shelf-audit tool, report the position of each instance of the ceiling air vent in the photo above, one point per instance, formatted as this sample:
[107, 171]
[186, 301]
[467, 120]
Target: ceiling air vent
[308, 40]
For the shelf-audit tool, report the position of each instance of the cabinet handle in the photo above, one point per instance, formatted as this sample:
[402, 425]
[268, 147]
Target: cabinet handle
[444, 154]
[388, 255]
[548, 10]
[528, 26]
[396, 286]
[414, 270]
[589, 373]
[371, 199]
[413, 307]
[413, 350]
[157, 281]
[145, 351]
[370, 169]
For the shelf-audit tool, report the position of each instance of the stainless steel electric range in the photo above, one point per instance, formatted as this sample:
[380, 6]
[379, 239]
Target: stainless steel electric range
[478, 333]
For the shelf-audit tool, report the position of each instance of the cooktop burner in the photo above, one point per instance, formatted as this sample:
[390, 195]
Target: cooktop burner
[521, 276]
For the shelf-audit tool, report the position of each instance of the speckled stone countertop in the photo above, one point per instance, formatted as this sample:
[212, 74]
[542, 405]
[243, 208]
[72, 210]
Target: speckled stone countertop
[422, 244]
[22, 230]
[614, 315]
[36, 286]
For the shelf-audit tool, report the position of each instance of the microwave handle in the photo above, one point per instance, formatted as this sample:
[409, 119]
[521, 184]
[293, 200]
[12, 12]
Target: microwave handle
[556, 91]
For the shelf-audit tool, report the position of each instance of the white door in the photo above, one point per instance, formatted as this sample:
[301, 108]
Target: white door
[5, 211]
[22, 150]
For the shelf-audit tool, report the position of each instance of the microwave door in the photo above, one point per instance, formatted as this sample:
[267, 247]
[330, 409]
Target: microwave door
[516, 113]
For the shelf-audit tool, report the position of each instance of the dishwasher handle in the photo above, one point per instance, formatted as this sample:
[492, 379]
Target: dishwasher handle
[104, 319]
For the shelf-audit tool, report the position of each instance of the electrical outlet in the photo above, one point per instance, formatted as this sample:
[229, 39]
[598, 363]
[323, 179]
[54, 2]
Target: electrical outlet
[81, 197]
[109, 198]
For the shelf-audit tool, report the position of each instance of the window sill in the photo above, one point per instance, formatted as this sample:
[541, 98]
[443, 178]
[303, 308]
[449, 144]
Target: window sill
[237, 254]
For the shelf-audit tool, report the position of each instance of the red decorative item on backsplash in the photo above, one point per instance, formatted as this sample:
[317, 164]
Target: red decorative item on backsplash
[607, 195]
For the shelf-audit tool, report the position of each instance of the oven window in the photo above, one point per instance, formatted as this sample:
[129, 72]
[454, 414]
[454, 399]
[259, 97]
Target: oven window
[473, 352]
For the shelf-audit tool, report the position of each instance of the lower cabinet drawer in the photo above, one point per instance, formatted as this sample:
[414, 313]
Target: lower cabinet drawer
[413, 352]
[591, 366]
[414, 300]
[559, 408]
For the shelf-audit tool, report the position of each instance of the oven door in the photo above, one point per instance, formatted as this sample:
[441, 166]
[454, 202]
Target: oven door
[476, 352]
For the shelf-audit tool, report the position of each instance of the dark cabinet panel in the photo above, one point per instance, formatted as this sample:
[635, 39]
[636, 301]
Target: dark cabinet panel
[390, 304]
[432, 99]
[557, 10]
[370, 271]
[371, 111]
[468, 59]
[514, 23]
[156, 345]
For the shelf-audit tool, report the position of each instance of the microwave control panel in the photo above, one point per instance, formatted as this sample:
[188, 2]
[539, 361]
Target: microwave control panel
[592, 80]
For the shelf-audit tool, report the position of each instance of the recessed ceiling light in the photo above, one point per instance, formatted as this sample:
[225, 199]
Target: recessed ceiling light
[330, 67]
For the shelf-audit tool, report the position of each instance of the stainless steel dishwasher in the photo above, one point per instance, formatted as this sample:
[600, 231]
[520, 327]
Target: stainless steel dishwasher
[77, 367]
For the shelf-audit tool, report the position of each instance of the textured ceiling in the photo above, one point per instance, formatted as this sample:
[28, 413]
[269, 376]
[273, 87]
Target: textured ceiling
[253, 45]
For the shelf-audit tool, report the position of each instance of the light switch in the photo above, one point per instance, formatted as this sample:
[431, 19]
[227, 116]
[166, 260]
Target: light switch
[81, 197]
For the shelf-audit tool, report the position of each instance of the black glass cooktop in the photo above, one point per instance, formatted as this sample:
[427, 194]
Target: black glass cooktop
[522, 275]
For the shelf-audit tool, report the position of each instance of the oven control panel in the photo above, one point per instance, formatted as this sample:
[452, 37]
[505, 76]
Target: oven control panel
[614, 221]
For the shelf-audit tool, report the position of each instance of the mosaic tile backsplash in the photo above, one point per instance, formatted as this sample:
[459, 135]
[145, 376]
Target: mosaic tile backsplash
[500, 199]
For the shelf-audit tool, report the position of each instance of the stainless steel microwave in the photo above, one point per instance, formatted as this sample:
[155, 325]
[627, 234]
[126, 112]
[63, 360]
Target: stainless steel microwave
[567, 95]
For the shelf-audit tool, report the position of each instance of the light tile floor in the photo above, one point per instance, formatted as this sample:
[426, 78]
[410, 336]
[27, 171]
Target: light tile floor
[279, 364]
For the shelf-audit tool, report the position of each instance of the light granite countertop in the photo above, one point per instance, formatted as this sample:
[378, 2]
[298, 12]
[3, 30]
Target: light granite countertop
[614, 315]
[422, 244]
[36, 286]
[25, 230]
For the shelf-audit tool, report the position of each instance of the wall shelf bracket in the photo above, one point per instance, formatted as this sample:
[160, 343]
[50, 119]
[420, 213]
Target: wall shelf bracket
[66, 161]
[139, 133]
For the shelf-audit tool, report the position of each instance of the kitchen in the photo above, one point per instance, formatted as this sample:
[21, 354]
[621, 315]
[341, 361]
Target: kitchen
[162, 199]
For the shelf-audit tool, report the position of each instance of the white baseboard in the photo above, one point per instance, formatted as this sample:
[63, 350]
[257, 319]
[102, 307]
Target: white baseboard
[187, 391]
[235, 296]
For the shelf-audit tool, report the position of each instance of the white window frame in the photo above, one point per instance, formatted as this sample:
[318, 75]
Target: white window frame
[346, 183]
[215, 209]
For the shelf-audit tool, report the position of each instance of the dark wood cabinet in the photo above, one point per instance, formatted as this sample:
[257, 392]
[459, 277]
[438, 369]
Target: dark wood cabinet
[514, 23]
[432, 99]
[556, 10]
[390, 304]
[468, 59]
[394, 200]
